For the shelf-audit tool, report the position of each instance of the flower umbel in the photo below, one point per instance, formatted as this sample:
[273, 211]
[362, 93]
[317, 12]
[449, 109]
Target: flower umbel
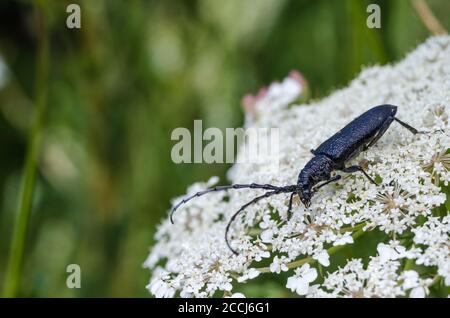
[394, 200]
[440, 162]
[407, 211]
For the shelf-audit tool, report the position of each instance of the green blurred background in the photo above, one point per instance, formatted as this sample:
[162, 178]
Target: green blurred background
[117, 88]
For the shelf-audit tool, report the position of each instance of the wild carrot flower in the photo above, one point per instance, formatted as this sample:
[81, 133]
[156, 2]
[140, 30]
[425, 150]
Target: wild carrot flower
[438, 164]
[191, 258]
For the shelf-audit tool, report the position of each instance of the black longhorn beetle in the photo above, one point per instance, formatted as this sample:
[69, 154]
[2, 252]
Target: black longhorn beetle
[359, 135]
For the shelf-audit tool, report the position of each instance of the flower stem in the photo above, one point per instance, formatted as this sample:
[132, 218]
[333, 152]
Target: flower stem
[428, 18]
[354, 228]
[436, 280]
[29, 173]
[311, 260]
[409, 264]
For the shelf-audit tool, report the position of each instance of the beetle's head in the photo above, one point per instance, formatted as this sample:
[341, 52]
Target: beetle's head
[305, 193]
[305, 197]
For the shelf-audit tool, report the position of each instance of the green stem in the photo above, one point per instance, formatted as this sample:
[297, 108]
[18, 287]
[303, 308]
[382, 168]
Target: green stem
[29, 173]
[409, 264]
[436, 280]
[311, 260]
[354, 228]
[428, 18]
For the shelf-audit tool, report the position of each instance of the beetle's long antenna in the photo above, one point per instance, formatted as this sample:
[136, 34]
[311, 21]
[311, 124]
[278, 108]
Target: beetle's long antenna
[242, 208]
[222, 188]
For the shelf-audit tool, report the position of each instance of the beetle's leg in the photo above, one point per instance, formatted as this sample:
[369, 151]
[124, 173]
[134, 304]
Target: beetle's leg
[289, 211]
[358, 168]
[335, 178]
[313, 152]
[414, 130]
[410, 128]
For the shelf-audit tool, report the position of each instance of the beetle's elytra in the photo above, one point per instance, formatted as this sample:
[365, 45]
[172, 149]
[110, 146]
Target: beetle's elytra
[332, 155]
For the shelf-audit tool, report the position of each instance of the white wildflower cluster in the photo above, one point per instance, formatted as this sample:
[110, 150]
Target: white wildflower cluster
[191, 259]
[275, 97]
[434, 237]
[382, 277]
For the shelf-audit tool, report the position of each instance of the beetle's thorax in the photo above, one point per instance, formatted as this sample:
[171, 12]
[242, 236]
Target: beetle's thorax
[317, 169]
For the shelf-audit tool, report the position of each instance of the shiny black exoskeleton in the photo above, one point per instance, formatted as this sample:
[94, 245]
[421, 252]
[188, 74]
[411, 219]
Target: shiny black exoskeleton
[332, 155]
[347, 143]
